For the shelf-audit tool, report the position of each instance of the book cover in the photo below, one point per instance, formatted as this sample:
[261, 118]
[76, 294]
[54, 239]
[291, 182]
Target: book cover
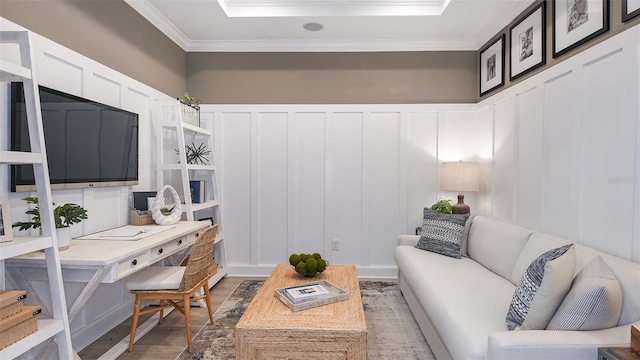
[197, 191]
[310, 295]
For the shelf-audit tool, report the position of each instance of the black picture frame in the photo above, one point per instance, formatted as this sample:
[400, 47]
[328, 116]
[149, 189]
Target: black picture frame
[588, 20]
[630, 11]
[492, 65]
[528, 42]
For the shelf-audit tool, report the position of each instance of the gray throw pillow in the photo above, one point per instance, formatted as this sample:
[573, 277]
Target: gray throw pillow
[442, 233]
[594, 301]
[541, 289]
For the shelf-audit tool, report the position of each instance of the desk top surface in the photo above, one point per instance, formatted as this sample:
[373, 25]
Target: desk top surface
[105, 252]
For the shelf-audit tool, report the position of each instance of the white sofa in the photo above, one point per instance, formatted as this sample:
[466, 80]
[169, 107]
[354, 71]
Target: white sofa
[461, 304]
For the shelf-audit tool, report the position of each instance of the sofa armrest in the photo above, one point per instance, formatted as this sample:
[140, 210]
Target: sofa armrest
[550, 344]
[408, 240]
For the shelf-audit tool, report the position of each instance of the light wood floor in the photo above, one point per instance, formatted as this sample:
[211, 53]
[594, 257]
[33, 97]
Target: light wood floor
[165, 341]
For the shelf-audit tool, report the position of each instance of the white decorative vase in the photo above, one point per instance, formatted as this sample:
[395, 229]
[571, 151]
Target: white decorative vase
[64, 238]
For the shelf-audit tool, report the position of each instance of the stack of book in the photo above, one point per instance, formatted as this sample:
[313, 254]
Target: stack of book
[310, 295]
[17, 320]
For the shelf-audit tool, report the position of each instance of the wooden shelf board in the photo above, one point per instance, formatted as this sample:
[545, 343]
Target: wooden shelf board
[13, 72]
[46, 329]
[20, 157]
[21, 245]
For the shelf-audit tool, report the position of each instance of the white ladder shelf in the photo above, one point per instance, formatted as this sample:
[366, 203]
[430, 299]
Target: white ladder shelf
[58, 326]
[172, 160]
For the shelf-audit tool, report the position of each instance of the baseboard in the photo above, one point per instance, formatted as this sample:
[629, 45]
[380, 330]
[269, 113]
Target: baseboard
[364, 272]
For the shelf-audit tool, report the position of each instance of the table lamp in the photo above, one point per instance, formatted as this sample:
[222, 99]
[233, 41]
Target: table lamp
[459, 176]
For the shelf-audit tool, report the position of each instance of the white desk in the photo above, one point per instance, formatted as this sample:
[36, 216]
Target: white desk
[108, 260]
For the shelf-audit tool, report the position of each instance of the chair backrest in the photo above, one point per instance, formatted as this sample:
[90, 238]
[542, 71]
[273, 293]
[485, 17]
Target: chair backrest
[200, 258]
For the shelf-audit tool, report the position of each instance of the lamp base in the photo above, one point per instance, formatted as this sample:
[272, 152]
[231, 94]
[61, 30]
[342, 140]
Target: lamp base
[460, 207]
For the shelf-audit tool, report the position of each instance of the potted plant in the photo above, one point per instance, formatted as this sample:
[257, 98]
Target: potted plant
[63, 216]
[443, 205]
[190, 108]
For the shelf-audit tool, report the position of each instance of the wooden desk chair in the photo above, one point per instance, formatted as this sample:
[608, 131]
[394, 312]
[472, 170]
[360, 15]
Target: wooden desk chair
[176, 285]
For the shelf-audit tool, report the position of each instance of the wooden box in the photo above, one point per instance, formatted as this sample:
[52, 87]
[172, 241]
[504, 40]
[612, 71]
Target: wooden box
[19, 326]
[144, 218]
[635, 339]
[11, 302]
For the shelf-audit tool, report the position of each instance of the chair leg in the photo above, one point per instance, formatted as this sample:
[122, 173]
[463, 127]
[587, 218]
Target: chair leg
[161, 312]
[208, 299]
[134, 322]
[187, 317]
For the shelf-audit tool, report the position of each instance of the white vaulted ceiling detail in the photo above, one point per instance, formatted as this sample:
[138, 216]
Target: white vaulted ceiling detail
[347, 25]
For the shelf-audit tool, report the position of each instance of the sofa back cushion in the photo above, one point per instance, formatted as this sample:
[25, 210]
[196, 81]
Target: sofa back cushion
[496, 244]
[537, 245]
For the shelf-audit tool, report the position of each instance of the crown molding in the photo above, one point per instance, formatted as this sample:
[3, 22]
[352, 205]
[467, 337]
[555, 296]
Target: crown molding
[329, 45]
[157, 19]
[495, 26]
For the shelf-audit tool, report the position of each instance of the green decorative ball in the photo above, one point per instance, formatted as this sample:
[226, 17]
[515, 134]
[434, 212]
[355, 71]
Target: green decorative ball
[322, 264]
[294, 259]
[307, 264]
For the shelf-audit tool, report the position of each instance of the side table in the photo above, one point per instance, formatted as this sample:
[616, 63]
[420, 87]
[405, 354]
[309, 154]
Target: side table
[617, 353]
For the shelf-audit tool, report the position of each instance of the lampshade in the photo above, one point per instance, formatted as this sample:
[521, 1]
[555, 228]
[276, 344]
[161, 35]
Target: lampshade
[459, 176]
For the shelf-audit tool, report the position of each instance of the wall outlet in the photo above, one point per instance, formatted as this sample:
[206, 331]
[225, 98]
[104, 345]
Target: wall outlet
[335, 244]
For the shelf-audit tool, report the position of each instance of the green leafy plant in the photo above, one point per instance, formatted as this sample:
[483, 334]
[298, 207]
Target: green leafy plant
[187, 99]
[196, 154]
[64, 216]
[443, 205]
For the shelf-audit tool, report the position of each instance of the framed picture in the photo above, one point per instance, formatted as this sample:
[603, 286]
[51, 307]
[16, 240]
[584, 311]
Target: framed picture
[528, 45]
[492, 65]
[6, 234]
[630, 9]
[576, 22]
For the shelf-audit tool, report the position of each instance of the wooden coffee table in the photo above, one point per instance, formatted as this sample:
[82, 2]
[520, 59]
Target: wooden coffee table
[269, 330]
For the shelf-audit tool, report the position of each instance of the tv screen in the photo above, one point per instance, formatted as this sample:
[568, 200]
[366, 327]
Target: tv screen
[88, 144]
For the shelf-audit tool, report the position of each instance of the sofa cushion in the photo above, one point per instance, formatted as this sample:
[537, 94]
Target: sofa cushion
[463, 300]
[495, 244]
[538, 244]
[541, 289]
[594, 301]
[442, 233]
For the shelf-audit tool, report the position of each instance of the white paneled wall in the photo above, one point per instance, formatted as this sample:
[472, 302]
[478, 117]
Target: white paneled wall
[566, 148]
[68, 71]
[295, 177]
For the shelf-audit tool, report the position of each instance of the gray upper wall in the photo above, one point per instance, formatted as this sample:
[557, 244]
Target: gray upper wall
[112, 33]
[109, 32]
[333, 78]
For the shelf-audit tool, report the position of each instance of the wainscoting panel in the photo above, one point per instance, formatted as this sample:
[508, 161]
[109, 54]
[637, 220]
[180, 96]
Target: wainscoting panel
[309, 183]
[528, 167]
[236, 145]
[295, 177]
[421, 165]
[272, 194]
[503, 159]
[560, 175]
[576, 156]
[347, 187]
[608, 132]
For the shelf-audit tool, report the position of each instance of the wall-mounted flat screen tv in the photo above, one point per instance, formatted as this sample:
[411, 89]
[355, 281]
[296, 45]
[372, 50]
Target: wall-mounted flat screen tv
[88, 144]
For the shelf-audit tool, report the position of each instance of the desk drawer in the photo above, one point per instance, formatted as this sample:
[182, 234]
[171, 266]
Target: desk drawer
[170, 247]
[132, 264]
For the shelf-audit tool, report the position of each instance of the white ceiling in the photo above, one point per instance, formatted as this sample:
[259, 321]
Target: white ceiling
[348, 25]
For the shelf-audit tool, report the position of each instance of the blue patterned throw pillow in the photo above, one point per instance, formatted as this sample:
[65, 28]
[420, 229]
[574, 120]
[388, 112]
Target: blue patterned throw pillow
[442, 233]
[541, 289]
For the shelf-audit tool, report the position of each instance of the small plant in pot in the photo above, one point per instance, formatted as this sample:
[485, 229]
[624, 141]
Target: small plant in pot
[443, 205]
[63, 216]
